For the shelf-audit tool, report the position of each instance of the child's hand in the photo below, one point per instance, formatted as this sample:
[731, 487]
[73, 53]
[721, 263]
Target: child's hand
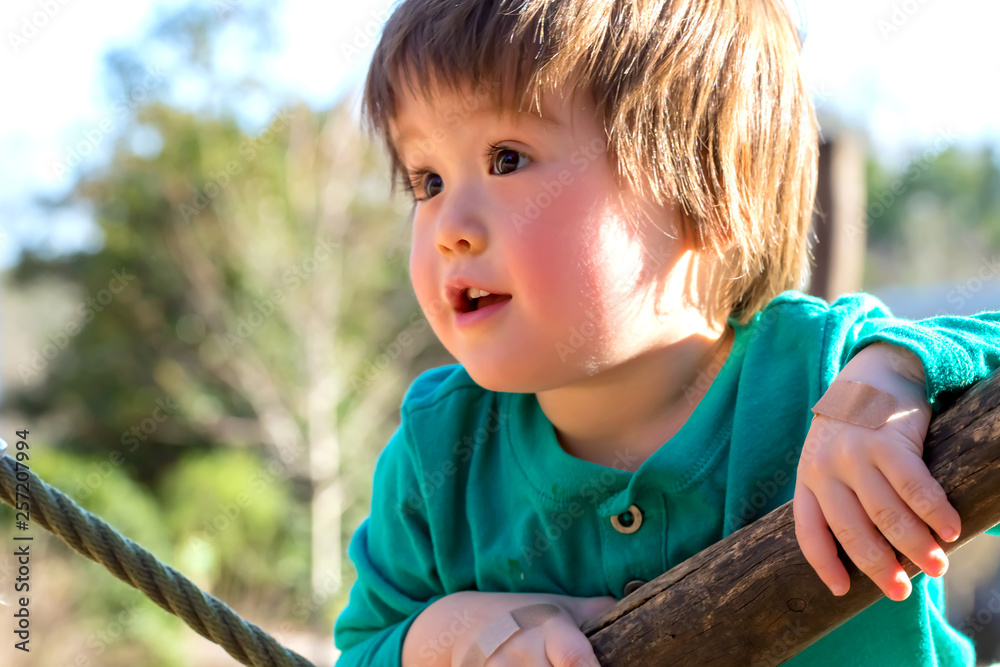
[552, 640]
[865, 483]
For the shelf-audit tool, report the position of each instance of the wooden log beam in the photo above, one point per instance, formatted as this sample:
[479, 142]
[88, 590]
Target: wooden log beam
[753, 599]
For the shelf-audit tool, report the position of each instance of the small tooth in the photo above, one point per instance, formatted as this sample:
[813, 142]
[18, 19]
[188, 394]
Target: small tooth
[475, 293]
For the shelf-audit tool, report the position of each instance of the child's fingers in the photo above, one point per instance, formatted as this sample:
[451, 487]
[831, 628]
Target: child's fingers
[568, 647]
[582, 610]
[522, 650]
[816, 542]
[909, 476]
[862, 542]
[556, 643]
[526, 647]
[899, 524]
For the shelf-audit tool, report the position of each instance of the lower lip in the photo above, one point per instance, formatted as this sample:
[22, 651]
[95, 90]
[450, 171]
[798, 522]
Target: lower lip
[473, 317]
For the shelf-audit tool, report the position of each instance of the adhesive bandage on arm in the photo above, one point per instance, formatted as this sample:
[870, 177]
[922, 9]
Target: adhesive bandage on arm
[856, 403]
[505, 627]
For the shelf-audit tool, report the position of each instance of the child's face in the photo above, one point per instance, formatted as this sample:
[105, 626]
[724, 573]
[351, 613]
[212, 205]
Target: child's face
[537, 221]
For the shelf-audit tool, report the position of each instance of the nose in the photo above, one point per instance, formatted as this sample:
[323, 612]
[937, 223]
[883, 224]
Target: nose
[460, 229]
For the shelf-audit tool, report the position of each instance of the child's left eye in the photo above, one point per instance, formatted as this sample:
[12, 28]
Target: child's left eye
[506, 160]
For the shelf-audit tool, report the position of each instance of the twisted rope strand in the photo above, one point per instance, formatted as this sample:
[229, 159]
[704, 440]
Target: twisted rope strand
[94, 538]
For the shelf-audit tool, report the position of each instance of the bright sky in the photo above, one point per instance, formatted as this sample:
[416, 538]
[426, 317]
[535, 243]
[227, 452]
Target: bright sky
[908, 70]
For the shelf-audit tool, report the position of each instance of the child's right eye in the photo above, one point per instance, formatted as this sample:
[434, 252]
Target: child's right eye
[425, 182]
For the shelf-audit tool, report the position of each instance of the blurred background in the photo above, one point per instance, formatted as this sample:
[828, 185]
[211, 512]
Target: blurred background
[205, 315]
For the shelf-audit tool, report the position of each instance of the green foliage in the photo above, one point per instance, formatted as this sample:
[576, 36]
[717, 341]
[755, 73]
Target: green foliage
[116, 618]
[929, 219]
[101, 487]
[233, 331]
[232, 513]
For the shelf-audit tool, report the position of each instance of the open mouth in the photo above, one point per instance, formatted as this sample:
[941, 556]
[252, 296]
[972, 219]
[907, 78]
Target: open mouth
[476, 299]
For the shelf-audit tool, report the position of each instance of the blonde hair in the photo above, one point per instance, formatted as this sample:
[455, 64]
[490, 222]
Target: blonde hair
[702, 102]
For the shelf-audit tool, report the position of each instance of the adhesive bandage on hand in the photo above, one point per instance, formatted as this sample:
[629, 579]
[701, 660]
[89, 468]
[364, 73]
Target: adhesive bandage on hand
[505, 627]
[856, 403]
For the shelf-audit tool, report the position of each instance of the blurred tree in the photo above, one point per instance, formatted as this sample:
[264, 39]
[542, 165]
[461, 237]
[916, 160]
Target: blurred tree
[928, 219]
[252, 293]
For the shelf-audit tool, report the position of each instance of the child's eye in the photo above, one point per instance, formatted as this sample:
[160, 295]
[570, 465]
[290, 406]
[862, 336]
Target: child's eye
[506, 160]
[426, 182]
[502, 161]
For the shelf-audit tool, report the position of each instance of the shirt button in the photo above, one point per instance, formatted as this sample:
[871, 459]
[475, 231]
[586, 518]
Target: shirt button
[628, 522]
[633, 586]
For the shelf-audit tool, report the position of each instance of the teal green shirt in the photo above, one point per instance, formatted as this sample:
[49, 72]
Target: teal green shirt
[474, 492]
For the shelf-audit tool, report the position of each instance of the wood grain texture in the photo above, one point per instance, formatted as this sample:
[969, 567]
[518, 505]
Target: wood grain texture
[753, 599]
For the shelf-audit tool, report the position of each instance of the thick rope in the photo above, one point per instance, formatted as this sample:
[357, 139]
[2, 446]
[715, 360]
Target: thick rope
[92, 537]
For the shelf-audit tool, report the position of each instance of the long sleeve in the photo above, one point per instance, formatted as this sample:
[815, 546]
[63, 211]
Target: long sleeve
[394, 557]
[956, 352]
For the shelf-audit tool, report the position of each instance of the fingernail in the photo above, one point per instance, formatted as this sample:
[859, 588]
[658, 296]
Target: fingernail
[902, 585]
[839, 589]
[950, 534]
[939, 557]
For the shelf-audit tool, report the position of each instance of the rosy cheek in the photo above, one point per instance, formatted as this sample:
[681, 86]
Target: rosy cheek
[422, 279]
[620, 257]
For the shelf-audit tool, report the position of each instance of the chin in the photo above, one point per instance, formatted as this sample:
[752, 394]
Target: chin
[503, 376]
[495, 379]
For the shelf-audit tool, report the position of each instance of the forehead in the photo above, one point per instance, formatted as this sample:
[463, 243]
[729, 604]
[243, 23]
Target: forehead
[420, 113]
